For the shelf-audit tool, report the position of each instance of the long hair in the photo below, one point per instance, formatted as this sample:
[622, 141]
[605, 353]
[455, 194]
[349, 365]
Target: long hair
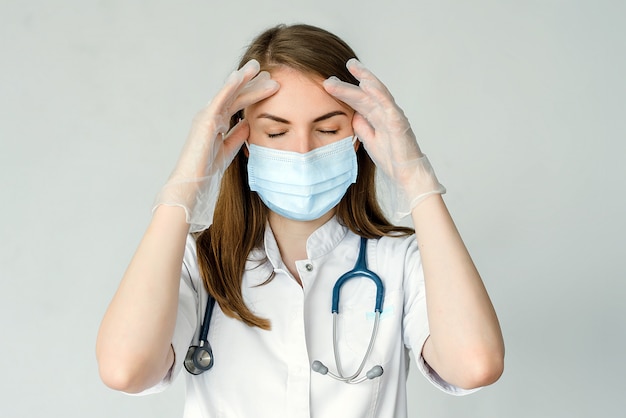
[240, 216]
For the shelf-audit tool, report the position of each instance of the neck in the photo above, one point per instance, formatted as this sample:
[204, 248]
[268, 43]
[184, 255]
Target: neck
[291, 237]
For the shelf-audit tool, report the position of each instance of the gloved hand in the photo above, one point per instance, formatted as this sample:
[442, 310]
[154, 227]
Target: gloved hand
[388, 138]
[210, 147]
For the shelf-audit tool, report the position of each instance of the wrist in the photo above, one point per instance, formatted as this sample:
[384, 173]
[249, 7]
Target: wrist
[171, 213]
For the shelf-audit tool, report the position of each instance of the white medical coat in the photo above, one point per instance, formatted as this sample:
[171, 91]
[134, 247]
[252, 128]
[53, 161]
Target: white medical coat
[260, 373]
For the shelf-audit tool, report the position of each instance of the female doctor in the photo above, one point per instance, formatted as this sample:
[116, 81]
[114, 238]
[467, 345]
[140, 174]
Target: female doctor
[265, 210]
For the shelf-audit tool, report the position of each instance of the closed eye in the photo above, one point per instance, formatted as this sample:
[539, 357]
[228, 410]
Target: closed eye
[276, 135]
[327, 132]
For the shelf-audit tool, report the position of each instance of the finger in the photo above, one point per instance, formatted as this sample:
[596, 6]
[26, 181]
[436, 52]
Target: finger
[259, 88]
[370, 102]
[234, 83]
[361, 73]
[348, 93]
[246, 73]
[369, 83]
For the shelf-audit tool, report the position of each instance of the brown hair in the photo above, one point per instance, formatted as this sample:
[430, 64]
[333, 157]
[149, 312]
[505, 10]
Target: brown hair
[240, 215]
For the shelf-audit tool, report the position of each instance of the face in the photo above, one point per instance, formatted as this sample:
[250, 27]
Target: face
[300, 117]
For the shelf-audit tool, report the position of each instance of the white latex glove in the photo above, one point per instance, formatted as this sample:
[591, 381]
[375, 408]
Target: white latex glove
[210, 147]
[388, 138]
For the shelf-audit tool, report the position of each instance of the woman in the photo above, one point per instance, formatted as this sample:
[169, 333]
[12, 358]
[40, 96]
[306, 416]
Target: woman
[292, 150]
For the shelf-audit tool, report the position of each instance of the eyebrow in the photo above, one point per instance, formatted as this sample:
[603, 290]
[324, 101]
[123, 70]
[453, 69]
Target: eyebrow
[318, 119]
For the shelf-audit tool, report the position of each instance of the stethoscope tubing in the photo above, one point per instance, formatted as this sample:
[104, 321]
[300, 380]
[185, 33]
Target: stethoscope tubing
[208, 312]
[340, 374]
[360, 270]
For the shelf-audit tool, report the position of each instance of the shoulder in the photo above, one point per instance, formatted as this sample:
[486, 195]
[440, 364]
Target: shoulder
[396, 259]
[396, 247]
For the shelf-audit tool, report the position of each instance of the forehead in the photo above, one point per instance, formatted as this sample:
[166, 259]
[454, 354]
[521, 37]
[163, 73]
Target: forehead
[300, 95]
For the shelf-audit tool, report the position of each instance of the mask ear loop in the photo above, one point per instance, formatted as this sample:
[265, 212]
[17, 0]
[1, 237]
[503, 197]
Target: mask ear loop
[356, 139]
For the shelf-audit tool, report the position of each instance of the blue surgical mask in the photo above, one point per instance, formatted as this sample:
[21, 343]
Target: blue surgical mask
[302, 187]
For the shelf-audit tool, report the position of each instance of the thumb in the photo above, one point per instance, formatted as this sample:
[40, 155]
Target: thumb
[362, 128]
[234, 140]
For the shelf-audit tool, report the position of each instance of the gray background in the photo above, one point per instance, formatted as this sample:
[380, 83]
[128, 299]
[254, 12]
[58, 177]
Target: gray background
[520, 106]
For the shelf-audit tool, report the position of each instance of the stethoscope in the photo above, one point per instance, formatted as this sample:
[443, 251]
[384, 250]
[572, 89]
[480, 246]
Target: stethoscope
[360, 270]
[200, 357]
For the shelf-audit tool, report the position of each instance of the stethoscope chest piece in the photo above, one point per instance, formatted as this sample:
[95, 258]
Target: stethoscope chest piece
[199, 359]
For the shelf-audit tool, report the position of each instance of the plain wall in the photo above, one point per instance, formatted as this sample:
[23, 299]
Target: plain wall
[520, 106]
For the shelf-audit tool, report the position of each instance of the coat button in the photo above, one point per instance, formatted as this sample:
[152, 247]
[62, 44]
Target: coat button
[309, 267]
